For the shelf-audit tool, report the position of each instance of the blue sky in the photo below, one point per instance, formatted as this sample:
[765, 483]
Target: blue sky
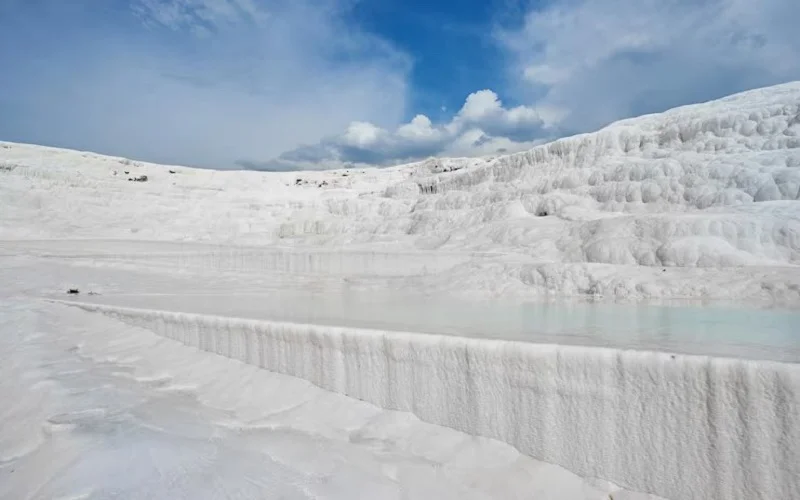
[452, 45]
[285, 84]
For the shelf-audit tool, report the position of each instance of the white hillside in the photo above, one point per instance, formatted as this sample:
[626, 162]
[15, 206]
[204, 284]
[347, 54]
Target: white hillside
[699, 201]
[350, 282]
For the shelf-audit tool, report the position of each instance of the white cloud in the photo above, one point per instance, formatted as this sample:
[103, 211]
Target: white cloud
[194, 14]
[594, 61]
[583, 63]
[362, 135]
[545, 74]
[419, 129]
[266, 77]
[483, 109]
[483, 126]
[480, 104]
[221, 82]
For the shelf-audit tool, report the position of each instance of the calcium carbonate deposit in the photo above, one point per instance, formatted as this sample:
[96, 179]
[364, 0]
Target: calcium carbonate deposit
[370, 333]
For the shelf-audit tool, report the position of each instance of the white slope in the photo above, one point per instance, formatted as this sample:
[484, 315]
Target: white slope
[698, 202]
[701, 201]
[95, 409]
[75, 423]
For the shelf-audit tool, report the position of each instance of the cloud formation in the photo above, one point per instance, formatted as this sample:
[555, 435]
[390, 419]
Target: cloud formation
[581, 64]
[199, 82]
[482, 126]
[200, 16]
[285, 84]
[595, 61]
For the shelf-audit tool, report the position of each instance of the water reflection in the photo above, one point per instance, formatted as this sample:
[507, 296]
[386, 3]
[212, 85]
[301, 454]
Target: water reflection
[684, 327]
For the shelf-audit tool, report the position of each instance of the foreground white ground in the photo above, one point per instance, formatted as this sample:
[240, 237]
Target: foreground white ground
[95, 393]
[93, 408]
[697, 203]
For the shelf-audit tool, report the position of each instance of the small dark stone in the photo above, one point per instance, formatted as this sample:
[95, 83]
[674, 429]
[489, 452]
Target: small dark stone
[73, 291]
[172, 171]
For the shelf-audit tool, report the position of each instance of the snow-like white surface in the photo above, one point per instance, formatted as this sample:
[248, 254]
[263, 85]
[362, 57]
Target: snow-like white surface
[681, 426]
[701, 202]
[93, 408]
[198, 279]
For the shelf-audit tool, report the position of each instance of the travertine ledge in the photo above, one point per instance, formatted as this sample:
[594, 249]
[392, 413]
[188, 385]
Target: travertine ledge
[674, 425]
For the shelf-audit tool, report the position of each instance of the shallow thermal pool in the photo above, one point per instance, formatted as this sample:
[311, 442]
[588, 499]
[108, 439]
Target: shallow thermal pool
[724, 330]
[282, 294]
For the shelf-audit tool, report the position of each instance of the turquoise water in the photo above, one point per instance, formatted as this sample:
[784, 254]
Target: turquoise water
[712, 330]
[738, 330]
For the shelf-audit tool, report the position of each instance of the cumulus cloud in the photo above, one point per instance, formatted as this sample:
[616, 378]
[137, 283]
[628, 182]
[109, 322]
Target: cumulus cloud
[581, 64]
[199, 82]
[482, 126]
[594, 61]
[230, 83]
